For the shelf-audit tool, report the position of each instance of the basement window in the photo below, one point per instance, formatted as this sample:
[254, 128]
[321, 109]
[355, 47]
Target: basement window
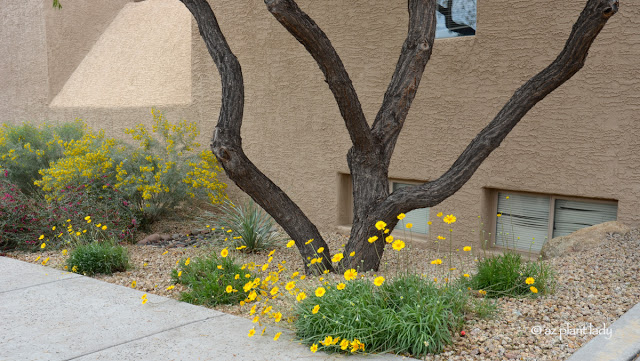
[527, 221]
[418, 217]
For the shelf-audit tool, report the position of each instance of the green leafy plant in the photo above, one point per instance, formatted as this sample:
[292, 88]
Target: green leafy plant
[251, 226]
[26, 148]
[408, 315]
[509, 275]
[212, 281]
[98, 257]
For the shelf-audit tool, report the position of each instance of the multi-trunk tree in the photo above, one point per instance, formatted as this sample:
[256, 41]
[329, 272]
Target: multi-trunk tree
[373, 145]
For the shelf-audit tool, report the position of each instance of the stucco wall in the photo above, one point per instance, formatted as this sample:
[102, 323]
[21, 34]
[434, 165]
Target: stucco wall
[583, 140]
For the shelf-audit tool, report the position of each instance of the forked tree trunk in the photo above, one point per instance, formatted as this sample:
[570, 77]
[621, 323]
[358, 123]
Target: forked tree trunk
[372, 146]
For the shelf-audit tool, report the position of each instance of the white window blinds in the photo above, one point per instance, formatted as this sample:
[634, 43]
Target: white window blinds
[571, 216]
[417, 217]
[524, 221]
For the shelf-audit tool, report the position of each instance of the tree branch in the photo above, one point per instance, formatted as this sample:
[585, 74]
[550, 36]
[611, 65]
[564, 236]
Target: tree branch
[227, 144]
[309, 34]
[404, 83]
[570, 60]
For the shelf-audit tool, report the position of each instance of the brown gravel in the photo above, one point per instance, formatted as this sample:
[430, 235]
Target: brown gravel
[594, 287]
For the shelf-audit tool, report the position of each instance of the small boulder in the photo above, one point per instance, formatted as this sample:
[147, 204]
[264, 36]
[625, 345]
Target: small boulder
[582, 239]
[152, 238]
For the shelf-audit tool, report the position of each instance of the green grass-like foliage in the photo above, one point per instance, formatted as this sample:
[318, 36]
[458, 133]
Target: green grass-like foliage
[409, 315]
[506, 274]
[98, 257]
[208, 284]
[251, 226]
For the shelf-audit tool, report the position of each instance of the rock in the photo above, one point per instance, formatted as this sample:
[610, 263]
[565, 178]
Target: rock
[581, 240]
[152, 238]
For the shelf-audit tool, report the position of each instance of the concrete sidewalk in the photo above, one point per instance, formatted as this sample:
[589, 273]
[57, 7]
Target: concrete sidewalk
[47, 314]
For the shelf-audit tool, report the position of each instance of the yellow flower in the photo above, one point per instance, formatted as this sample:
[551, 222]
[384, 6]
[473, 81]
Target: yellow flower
[437, 261]
[397, 245]
[507, 197]
[301, 296]
[380, 225]
[224, 252]
[74, 269]
[44, 263]
[64, 252]
[467, 249]
[320, 291]
[378, 281]
[87, 218]
[442, 238]
[314, 348]
[277, 317]
[42, 246]
[350, 274]
[171, 287]
[327, 341]
[309, 241]
[352, 254]
[452, 269]
[409, 225]
[179, 273]
[389, 239]
[401, 216]
[499, 215]
[466, 275]
[315, 309]
[530, 280]
[344, 344]
[291, 243]
[533, 289]
[439, 214]
[337, 257]
[320, 250]
[277, 336]
[450, 218]
[133, 284]
[341, 286]
[186, 263]
[165, 252]
[482, 292]
[144, 300]
[373, 239]
[53, 228]
[252, 332]
[274, 291]
[104, 228]
[241, 247]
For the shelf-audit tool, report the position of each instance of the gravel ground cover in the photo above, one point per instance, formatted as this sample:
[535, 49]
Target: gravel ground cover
[594, 288]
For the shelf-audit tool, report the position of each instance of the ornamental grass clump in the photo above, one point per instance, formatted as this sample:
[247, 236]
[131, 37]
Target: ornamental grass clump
[213, 280]
[407, 315]
[509, 275]
[250, 227]
[98, 257]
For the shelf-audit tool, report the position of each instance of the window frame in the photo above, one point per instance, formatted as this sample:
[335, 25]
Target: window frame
[396, 231]
[552, 202]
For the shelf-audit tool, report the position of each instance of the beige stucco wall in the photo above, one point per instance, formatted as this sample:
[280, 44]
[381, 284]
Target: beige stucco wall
[583, 140]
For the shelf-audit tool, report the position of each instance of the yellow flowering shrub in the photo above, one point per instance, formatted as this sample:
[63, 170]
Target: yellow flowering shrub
[162, 170]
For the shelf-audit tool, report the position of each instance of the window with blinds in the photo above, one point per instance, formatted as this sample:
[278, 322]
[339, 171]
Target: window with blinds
[525, 220]
[417, 217]
[571, 216]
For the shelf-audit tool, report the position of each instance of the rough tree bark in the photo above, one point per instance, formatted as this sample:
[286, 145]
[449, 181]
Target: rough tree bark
[372, 147]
